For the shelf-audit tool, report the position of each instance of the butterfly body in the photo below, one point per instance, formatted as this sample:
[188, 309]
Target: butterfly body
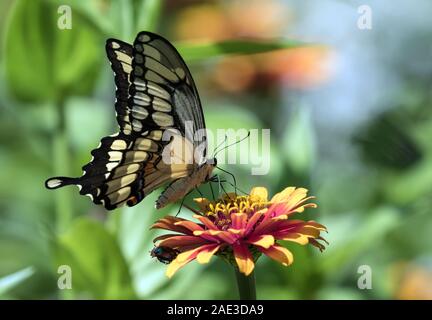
[181, 187]
[162, 138]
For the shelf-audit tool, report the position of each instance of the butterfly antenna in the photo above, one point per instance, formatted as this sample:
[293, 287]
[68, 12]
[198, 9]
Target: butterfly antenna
[220, 144]
[234, 143]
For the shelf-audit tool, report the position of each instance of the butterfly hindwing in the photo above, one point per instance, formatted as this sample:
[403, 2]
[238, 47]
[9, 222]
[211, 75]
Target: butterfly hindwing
[125, 169]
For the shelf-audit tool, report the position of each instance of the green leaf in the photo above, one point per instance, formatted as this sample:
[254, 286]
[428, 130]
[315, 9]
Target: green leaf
[407, 187]
[9, 282]
[349, 238]
[97, 264]
[149, 15]
[44, 62]
[77, 117]
[206, 50]
[299, 140]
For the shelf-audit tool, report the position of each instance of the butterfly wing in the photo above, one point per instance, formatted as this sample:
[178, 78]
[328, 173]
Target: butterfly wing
[124, 169]
[155, 94]
[120, 54]
[162, 86]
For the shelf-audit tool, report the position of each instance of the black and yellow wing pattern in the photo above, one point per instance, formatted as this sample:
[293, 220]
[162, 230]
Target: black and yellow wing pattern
[155, 94]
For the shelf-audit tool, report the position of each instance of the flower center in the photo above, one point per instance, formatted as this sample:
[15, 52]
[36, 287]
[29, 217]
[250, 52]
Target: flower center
[220, 212]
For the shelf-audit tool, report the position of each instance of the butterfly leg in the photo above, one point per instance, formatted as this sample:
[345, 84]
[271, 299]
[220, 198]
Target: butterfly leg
[181, 204]
[220, 186]
[235, 187]
[234, 179]
[199, 191]
[223, 189]
[211, 188]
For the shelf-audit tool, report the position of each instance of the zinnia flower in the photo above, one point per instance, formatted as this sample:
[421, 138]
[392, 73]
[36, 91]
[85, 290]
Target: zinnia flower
[240, 228]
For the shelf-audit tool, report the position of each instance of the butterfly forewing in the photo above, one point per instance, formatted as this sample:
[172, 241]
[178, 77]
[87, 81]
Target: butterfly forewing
[158, 67]
[120, 55]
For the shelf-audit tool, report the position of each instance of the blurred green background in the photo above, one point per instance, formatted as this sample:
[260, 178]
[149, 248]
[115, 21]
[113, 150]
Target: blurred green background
[350, 119]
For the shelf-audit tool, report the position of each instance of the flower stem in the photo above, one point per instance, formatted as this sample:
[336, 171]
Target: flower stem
[246, 285]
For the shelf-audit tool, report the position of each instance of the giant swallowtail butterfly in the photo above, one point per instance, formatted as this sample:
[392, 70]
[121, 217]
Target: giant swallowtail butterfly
[162, 131]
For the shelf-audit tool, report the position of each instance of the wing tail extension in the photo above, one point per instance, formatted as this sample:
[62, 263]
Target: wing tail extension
[58, 182]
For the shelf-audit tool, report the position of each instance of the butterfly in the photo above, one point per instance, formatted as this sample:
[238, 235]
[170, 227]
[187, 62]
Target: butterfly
[162, 138]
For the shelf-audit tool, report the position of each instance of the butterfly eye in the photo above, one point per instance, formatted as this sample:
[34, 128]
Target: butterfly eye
[212, 162]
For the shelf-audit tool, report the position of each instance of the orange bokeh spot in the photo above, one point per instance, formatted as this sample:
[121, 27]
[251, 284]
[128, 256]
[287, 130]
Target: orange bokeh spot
[204, 22]
[258, 18]
[235, 74]
[414, 282]
[299, 67]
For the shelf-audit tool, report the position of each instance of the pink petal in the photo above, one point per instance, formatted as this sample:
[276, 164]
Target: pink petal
[206, 235]
[283, 195]
[294, 237]
[182, 259]
[307, 228]
[186, 257]
[206, 221]
[271, 226]
[164, 236]
[238, 220]
[278, 253]
[169, 223]
[316, 225]
[189, 225]
[243, 258]
[254, 219]
[182, 241]
[205, 255]
[220, 235]
[264, 241]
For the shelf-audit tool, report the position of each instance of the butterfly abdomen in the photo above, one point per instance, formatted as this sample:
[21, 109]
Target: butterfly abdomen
[181, 187]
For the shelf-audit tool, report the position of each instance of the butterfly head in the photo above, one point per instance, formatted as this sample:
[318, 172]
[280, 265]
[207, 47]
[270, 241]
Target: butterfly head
[209, 166]
[213, 162]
